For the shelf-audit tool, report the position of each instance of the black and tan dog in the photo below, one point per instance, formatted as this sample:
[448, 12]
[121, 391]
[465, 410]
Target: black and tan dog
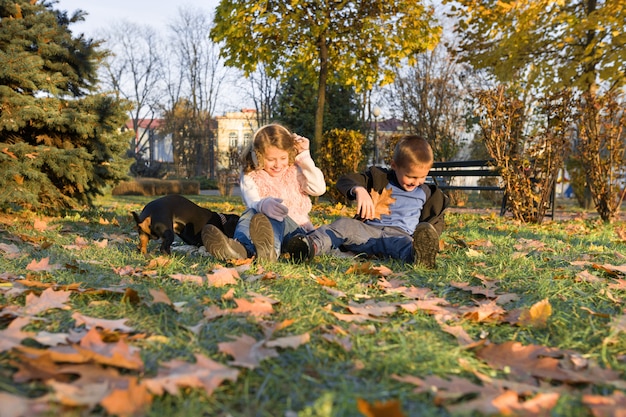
[175, 214]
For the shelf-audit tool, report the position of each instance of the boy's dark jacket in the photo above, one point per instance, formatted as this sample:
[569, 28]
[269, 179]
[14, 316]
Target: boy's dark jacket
[377, 178]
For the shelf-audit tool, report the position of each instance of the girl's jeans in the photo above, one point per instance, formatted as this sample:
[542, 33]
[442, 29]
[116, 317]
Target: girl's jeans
[283, 231]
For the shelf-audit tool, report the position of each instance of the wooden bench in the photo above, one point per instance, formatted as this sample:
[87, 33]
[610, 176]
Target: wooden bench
[442, 174]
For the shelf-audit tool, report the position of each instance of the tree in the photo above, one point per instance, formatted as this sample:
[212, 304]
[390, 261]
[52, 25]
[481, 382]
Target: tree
[133, 70]
[551, 44]
[352, 43]
[547, 47]
[430, 98]
[263, 90]
[296, 104]
[201, 75]
[61, 143]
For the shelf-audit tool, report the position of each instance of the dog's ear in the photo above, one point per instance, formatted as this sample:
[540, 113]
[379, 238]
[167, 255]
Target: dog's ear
[136, 217]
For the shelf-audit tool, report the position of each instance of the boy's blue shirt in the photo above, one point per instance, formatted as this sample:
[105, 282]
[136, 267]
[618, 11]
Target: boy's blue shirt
[405, 211]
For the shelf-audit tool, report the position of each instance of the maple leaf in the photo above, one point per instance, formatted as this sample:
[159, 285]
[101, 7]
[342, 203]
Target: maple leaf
[537, 316]
[367, 269]
[257, 307]
[15, 406]
[75, 395]
[42, 265]
[372, 308]
[248, 352]
[133, 400]
[159, 296]
[48, 300]
[389, 408]
[382, 202]
[612, 405]
[223, 276]
[13, 335]
[204, 373]
[91, 322]
[11, 250]
[289, 341]
[196, 279]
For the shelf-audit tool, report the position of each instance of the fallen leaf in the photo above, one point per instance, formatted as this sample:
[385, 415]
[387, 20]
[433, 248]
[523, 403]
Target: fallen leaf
[48, 300]
[204, 373]
[42, 265]
[133, 400]
[223, 276]
[537, 316]
[248, 352]
[13, 335]
[289, 341]
[389, 408]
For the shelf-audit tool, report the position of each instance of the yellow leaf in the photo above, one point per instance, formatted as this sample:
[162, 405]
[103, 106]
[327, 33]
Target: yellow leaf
[382, 202]
[537, 316]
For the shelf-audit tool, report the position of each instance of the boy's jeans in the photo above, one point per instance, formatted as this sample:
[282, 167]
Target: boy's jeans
[283, 231]
[355, 236]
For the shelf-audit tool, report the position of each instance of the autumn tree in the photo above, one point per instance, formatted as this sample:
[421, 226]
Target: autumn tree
[61, 143]
[547, 46]
[552, 45]
[353, 43]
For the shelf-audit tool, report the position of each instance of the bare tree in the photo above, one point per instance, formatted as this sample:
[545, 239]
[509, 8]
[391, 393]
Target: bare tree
[430, 100]
[133, 70]
[201, 77]
[263, 92]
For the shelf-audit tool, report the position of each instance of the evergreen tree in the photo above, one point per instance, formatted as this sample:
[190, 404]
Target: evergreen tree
[296, 103]
[60, 143]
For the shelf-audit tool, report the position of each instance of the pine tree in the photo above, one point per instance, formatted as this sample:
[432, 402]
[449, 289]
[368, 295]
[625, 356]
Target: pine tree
[61, 143]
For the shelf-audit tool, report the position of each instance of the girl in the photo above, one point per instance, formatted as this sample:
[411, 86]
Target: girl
[277, 180]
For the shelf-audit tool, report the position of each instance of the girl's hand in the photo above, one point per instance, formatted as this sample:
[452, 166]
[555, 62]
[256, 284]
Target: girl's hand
[302, 143]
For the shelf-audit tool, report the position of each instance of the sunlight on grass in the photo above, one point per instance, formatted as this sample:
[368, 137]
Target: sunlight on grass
[366, 332]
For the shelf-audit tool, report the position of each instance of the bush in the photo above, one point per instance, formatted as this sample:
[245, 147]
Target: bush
[151, 187]
[340, 153]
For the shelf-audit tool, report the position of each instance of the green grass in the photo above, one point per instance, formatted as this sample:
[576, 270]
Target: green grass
[320, 378]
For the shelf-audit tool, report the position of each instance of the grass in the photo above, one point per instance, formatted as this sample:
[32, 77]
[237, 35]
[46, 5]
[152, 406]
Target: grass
[321, 378]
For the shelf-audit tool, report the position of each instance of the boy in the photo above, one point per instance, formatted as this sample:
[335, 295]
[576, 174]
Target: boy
[411, 230]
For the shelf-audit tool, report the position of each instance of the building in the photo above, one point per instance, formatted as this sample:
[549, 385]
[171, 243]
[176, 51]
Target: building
[233, 131]
[148, 142]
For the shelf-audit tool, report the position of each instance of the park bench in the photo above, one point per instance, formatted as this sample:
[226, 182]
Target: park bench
[442, 174]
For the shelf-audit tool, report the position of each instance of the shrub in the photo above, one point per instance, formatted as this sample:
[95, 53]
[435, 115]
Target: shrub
[151, 187]
[340, 153]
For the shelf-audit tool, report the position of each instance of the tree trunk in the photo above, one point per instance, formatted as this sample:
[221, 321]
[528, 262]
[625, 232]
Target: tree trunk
[321, 96]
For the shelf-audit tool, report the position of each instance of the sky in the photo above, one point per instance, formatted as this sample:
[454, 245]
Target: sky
[101, 14]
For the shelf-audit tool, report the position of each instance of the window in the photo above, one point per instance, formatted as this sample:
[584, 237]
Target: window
[247, 138]
[232, 139]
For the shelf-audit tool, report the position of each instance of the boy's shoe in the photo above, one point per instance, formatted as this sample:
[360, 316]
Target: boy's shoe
[218, 245]
[425, 244]
[300, 249]
[262, 235]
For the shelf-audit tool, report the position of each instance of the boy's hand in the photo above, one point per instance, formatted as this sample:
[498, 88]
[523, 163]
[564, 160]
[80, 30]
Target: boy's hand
[364, 203]
[302, 143]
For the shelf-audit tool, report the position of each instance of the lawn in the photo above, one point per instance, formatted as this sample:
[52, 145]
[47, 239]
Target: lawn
[517, 319]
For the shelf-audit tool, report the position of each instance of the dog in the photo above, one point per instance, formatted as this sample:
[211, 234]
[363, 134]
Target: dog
[172, 215]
